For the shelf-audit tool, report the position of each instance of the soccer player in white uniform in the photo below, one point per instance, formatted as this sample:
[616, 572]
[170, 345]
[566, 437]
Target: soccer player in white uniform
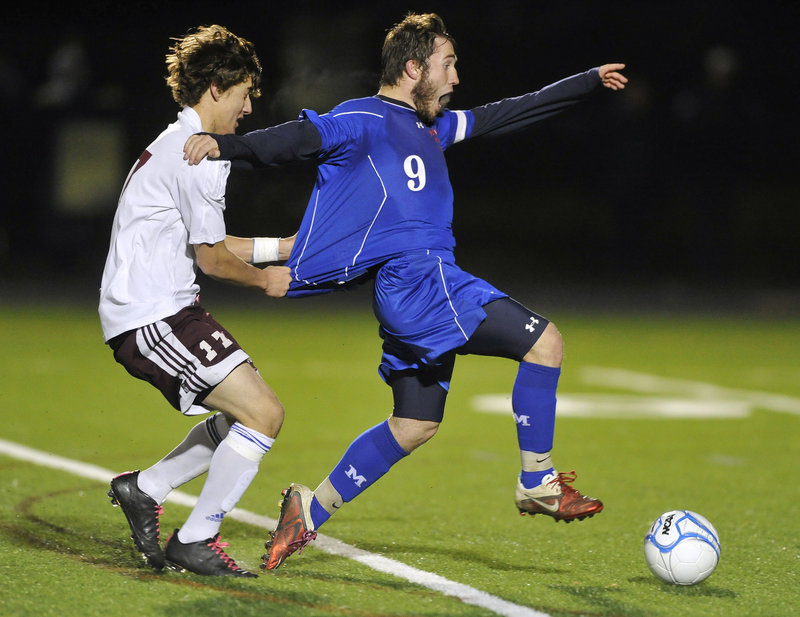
[169, 221]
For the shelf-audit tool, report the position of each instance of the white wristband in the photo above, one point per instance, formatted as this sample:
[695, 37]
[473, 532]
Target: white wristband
[265, 250]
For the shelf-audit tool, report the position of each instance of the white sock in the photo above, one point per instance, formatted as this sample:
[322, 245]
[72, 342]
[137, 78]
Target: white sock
[536, 466]
[187, 461]
[233, 467]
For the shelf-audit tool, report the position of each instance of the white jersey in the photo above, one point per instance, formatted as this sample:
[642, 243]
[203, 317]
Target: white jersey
[165, 207]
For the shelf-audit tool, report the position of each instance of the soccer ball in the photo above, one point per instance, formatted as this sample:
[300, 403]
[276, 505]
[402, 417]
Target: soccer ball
[681, 547]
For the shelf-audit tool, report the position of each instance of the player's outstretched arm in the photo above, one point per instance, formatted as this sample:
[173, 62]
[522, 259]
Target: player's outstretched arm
[297, 140]
[611, 77]
[218, 262]
[512, 114]
[197, 147]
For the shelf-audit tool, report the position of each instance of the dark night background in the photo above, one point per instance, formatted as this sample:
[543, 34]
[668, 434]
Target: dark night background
[683, 188]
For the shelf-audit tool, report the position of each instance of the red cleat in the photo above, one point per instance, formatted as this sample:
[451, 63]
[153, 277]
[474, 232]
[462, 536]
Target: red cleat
[294, 530]
[554, 497]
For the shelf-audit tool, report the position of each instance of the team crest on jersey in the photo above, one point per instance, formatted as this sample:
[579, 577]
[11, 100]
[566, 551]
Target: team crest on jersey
[433, 133]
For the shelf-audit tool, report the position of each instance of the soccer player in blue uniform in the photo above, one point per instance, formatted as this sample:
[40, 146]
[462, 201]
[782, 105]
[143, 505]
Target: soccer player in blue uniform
[382, 208]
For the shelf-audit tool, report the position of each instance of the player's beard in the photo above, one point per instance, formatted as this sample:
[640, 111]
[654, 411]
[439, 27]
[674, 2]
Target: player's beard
[423, 94]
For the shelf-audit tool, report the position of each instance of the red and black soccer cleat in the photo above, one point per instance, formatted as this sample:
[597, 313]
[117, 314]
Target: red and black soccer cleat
[555, 497]
[294, 529]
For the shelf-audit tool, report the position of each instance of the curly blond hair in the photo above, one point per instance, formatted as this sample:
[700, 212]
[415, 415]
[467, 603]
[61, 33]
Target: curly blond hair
[210, 55]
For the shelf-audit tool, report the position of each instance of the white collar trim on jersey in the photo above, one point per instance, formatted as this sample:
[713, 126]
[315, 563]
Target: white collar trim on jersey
[191, 118]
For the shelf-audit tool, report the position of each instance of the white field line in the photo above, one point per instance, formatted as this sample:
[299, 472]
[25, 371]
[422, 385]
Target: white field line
[623, 406]
[644, 382]
[657, 397]
[327, 544]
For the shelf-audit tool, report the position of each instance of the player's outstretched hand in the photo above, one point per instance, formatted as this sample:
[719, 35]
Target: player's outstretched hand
[198, 147]
[610, 76]
[277, 281]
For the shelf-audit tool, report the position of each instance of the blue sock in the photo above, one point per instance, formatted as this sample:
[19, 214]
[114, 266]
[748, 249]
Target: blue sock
[318, 514]
[530, 479]
[533, 400]
[368, 458]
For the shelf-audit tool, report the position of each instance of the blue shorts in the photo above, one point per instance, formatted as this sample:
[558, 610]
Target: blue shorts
[427, 307]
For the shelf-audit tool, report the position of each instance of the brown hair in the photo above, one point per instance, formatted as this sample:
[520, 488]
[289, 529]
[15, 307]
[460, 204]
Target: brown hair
[411, 39]
[210, 55]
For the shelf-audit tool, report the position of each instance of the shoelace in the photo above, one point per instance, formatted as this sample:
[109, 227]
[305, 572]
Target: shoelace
[299, 544]
[159, 511]
[218, 546]
[565, 479]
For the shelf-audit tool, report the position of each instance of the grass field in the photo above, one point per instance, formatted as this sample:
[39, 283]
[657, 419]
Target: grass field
[659, 413]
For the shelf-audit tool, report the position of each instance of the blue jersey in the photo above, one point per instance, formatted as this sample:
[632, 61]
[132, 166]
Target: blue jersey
[382, 190]
[382, 186]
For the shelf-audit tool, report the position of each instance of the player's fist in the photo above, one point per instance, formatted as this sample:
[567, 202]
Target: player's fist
[277, 279]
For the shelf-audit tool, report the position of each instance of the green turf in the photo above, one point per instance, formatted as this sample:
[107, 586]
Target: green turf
[447, 509]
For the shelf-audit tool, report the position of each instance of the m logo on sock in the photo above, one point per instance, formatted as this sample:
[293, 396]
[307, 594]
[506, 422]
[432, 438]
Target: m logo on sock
[352, 473]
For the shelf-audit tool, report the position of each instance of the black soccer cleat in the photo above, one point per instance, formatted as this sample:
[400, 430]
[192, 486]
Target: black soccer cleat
[142, 513]
[206, 557]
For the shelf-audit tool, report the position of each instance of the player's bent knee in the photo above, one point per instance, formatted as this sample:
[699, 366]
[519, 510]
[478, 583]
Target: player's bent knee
[264, 416]
[549, 349]
[269, 414]
[247, 398]
[411, 434]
